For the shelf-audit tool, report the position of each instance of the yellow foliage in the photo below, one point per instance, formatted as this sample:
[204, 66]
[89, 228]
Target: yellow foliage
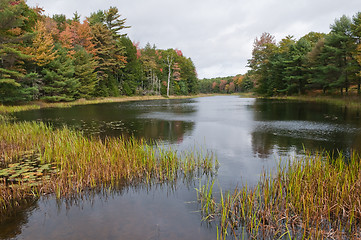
[42, 48]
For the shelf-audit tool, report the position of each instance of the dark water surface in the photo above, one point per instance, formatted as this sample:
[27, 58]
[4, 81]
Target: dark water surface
[247, 135]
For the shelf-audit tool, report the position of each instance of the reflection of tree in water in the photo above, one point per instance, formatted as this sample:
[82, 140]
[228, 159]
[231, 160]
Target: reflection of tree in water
[262, 144]
[266, 142]
[286, 126]
[172, 131]
[11, 226]
[152, 120]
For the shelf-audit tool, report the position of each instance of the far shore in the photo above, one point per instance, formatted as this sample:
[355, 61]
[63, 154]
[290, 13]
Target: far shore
[346, 101]
[41, 104]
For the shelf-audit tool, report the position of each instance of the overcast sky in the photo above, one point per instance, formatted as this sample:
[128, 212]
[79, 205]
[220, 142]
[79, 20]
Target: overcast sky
[217, 34]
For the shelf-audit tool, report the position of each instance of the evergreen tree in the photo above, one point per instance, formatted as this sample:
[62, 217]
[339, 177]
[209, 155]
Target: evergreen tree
[96, 17]
[296, 72]
[58, 78]
[188, 76]
[16, 20]
[263, 49]
[132, 74]
[110, 60]
[84, 72]
[337, 53]
[356, 34]
[42, 48]
[61, 21]
[315, 63]
[114, 22]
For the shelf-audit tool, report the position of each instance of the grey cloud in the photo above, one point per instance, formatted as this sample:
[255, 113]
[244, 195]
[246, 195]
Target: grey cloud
[216, 34]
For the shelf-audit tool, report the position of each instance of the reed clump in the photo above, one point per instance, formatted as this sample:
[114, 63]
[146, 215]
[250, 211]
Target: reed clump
[12, 109]
[316, 197]
[8, 109]
[68, 163]
[352, 102]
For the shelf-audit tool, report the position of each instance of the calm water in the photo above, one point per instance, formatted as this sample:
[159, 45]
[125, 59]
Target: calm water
[247, 135]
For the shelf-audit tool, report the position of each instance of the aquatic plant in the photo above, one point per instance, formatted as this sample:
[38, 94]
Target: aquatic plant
[313, 197]
[12, 109]
[8, 109]
[351, 102]
[70, 164]
[27, 171]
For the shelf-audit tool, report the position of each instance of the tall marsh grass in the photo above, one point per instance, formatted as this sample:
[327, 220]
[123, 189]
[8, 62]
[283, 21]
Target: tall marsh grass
[316, 197]
[12, 109]
[83, 163]
[6, 109]
[352, 102]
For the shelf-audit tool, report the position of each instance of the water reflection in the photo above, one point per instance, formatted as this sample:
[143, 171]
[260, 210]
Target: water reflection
[158, 211]
[12, 225]
[247, 135]
[291, 125]
[153, 120]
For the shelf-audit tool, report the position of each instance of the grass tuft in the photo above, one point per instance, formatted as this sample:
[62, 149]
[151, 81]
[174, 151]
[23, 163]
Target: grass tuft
[313, 197]
[67, 163]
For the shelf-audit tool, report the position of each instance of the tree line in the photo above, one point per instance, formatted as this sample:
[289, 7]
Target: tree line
[328, 63]
[226, 85]
[60, 59]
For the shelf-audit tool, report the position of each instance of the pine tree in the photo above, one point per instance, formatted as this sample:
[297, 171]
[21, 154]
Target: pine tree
[132, 74]
[110, 58]
[114, 22]
[356, 33]
[16, 20]
[42, 48]
[336, 54]
[296, 72]
[84, 71]
[59, 81]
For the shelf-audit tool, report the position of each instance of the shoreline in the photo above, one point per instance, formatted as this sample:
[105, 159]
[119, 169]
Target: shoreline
[4, 109]
[353, 102]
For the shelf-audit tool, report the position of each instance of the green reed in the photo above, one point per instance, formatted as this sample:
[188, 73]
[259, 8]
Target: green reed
[313, 197]
[82, 163]
[352, 102]
[6, 109]
[12, 109]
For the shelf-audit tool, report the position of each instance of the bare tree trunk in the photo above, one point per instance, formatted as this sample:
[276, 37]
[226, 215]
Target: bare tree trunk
[169, 61]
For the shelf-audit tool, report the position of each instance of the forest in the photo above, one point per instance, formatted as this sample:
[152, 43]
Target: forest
[58, 59]
[317, 62]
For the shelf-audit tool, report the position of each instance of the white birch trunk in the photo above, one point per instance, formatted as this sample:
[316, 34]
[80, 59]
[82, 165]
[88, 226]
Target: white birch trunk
[170, 61]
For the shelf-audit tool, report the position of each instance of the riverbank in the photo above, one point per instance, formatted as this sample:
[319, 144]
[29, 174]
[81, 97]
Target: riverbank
[41, 104]
[353, 102]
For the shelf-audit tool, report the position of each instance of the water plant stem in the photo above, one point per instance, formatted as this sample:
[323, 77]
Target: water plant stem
[314, 197]
[82, 163]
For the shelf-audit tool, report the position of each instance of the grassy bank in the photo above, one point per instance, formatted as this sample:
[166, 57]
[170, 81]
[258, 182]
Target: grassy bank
[353, 102]
[40, 104]
[316, 197]
[38, 160]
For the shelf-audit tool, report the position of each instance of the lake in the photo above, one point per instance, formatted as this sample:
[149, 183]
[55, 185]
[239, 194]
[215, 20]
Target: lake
[247, 135]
